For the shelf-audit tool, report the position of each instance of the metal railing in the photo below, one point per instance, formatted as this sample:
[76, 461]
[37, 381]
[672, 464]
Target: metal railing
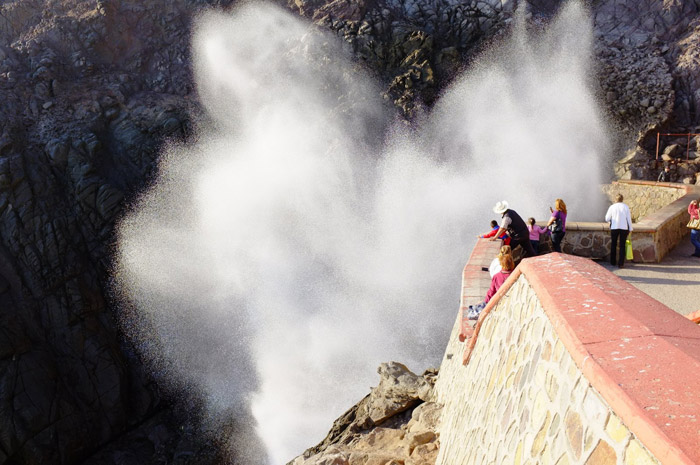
[687, 150]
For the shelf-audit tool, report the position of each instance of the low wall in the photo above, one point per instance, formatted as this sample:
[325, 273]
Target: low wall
[660, 228]
[645, 197]
[569, 364]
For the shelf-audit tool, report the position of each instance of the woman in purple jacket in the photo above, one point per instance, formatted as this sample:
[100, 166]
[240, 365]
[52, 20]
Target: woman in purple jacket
[557, 224]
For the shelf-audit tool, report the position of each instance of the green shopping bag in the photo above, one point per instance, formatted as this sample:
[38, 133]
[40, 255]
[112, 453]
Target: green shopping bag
[628, 250]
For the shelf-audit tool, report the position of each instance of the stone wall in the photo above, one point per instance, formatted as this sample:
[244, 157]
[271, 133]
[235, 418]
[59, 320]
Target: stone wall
[644, 198]
[560, 370]
[659, 213]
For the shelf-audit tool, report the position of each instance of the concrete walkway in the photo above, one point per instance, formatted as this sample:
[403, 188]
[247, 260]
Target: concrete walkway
[675, 281]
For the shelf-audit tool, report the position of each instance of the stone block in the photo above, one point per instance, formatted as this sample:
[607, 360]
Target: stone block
[616, 429]
[594, 408]
[540, 410]
[574, 432]
[636, 454]
[538, 442]
[603, 454]
[552, 387]
[518, 459]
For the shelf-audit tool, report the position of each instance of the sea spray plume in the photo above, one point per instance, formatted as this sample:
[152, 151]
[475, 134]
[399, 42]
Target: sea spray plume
[242, 247]
[176, 311]
[524, 120]
[284, 255]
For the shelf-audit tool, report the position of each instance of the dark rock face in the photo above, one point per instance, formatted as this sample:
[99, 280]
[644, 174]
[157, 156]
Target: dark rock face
[417, 47]
[90, 90]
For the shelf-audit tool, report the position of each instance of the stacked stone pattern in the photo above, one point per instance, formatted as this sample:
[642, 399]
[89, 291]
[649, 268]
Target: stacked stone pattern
[643, 199]
[521, 399]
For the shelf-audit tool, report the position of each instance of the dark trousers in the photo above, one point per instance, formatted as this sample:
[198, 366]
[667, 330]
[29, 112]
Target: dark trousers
[616, 234]
[557, 237]
[535, 246]
[524, 242]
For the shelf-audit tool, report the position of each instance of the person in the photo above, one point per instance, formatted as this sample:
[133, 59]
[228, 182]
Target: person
[535, 231]
[492, 233]
[620, 219]
[558, 216]
[694, 211]
[665, 174]
[516, 228]
[507, 266]
[495, 265]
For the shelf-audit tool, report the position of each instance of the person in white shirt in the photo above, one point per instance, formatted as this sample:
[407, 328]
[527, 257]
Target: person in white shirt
[620, 220]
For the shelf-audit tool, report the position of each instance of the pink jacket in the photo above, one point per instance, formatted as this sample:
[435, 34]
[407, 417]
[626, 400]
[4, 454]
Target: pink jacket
[535, 232]
[693, 210]
[496, 282]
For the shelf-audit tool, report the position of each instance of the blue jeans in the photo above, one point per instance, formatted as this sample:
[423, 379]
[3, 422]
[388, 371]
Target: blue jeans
[695, 240]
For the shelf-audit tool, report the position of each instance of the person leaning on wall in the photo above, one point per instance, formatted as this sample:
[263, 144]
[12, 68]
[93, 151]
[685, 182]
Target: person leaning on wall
[620, 219]
[512, 223]
[506, 266]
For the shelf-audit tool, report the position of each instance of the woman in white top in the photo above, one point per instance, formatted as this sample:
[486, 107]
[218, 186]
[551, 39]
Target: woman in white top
[620, 220]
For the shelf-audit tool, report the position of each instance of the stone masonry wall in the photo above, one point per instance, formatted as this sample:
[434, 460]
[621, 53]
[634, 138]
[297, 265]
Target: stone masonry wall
[659, 214]
[522, 399]
[567, 364]
[643, 199]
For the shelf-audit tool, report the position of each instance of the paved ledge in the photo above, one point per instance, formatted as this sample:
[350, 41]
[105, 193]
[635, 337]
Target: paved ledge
[476, 281]
[642, 357]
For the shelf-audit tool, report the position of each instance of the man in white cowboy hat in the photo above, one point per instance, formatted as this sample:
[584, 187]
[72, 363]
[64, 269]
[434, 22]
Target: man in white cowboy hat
[516, 228]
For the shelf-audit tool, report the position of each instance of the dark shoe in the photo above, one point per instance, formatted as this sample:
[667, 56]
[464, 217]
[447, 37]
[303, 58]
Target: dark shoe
[621, 265]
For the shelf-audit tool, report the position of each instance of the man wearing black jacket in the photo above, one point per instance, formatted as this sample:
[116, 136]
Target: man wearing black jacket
[516, 227]
[665, 175]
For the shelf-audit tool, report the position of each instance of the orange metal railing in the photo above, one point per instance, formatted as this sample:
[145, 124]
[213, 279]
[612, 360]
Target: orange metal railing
[687, 150]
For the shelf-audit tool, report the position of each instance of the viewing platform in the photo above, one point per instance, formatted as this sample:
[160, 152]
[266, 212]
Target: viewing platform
[570, 362]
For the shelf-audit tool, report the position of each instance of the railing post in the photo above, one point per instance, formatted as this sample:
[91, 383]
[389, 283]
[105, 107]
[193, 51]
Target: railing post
[657, 146]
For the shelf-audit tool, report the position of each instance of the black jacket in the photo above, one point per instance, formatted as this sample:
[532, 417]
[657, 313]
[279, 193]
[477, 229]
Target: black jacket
[664, 176]
[517, 228]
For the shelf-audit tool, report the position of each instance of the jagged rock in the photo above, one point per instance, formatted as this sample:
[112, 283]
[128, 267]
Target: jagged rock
[389, 423]
[398, 390]
[671, 152]
[635, 155]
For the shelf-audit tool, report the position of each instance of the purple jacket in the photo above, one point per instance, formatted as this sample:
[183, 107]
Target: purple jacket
[562, 217]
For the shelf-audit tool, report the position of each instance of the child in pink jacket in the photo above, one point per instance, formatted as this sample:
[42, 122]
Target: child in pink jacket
[535, 231]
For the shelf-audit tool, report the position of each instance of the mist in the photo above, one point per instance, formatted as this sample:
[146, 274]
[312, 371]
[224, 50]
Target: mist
[304, 237]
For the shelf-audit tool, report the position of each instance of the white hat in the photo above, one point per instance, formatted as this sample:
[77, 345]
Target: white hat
[501, 207]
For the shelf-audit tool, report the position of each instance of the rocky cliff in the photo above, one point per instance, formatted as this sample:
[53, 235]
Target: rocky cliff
[90, 91]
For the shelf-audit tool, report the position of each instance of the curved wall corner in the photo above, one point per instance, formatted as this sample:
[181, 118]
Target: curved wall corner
[659, 211]
[570, 364]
